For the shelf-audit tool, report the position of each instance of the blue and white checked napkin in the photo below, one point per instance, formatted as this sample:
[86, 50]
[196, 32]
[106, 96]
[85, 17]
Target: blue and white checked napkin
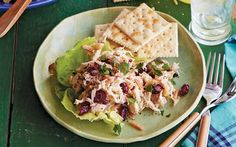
[223, 118]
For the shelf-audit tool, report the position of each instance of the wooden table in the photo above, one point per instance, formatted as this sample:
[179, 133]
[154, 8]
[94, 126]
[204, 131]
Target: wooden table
[23, 120]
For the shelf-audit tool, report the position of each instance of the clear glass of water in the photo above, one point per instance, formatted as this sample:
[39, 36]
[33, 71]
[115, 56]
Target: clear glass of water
[210, 20]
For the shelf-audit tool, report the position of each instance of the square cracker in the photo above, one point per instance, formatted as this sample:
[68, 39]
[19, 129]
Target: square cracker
[115, 34]
[99, 31]
[119, 37]
[142, 24]
[164, 45]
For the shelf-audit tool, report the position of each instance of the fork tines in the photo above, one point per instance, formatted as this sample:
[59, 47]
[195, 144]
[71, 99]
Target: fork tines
[215, 69]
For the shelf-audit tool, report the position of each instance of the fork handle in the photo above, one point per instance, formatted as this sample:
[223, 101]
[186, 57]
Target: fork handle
[204, 130]
[8, 19]
[175, 137]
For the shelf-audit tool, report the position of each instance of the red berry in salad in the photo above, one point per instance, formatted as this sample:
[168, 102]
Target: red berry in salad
[123, 111]
[84, 107]
[184, 90]
[93, 69]
[101, 97]
[124, 87]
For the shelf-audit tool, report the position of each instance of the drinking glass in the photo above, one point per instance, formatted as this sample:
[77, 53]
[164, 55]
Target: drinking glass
[210, 20]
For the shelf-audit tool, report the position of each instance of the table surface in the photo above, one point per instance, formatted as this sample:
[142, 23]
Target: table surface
[23, 120]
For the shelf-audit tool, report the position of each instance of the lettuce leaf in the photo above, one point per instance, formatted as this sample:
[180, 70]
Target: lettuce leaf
[111, 118]
[67, 64]
[56, 87]
[68, 104]
[59, 90]
[138, 60]
[106, 47]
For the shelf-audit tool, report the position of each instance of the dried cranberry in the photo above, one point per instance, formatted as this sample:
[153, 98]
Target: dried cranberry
[184, 90]
[123, 111]
[84, 107]
[97, 66]
[100, 97]
[124, 87]
[93, 69]
[157, 89]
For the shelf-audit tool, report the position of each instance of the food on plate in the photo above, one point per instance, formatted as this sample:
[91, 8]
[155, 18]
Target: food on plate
[142, 24]
[162, 36]
[102, 79]
[99, 30]
[136, 125]
[115, 34]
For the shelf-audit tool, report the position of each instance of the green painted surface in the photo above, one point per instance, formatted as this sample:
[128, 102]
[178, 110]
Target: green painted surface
[6, 64]
[30, 123]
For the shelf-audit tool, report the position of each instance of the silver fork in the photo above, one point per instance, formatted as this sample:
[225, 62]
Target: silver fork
[212, 91]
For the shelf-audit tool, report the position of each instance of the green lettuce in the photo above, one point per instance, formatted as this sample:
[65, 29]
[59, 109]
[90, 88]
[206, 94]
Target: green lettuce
[56, 87]
[67, 64]
[59, 90]
[65, 67]
[138, 60]
[106, 47]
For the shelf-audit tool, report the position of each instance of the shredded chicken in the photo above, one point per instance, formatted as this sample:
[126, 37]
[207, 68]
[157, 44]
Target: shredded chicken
[116, 74]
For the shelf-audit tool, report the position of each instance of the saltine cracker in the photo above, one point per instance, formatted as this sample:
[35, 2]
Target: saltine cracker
[142, 24]
[164, 45]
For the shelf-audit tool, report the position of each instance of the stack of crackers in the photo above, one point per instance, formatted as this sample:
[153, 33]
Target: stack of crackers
[142, 31]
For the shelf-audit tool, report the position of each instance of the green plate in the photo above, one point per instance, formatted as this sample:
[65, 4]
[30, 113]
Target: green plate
[67, 33]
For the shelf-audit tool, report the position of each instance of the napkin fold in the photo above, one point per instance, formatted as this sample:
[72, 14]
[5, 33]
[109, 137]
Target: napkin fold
[223, 118]
[230, 55]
